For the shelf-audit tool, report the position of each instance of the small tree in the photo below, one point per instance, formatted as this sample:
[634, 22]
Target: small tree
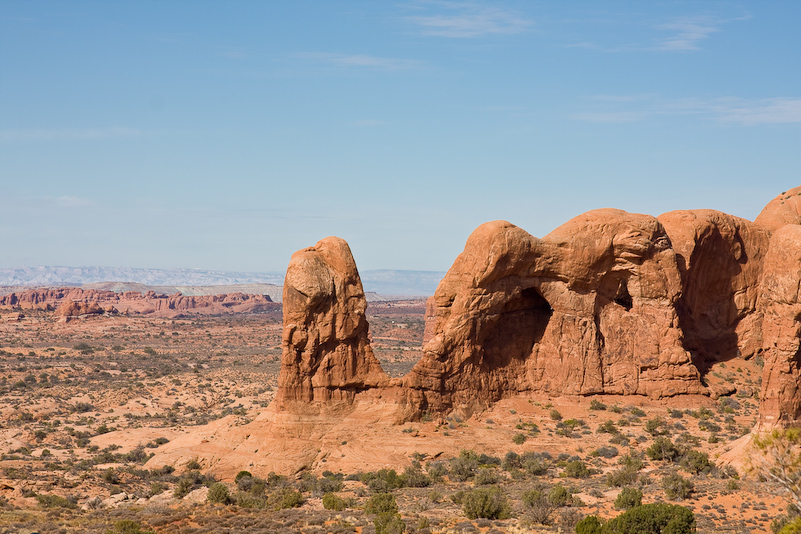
[778, 459]
[385, 508]
[538, 506]
[677, 487]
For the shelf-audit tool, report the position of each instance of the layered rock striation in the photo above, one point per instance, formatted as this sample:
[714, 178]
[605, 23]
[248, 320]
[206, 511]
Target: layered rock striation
[75, 302]
[608, 303]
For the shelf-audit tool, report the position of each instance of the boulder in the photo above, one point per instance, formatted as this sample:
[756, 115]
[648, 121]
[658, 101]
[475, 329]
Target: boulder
[71, 310]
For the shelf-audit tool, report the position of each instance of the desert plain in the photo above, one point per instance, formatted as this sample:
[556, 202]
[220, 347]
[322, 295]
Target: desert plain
[87, 405]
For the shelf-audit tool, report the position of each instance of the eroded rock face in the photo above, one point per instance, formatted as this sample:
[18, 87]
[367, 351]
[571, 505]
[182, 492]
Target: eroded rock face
[608, 303]
[720, 259]
[326, 350]
[587, 309]
[780, 303]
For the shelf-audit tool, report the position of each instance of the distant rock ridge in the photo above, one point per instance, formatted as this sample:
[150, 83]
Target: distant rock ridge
[608, 303]
[70, 303]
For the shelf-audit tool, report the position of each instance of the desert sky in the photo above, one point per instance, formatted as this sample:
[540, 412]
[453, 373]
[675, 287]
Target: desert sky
[227, 135]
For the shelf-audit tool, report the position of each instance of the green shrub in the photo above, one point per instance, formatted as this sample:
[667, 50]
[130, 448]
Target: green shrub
[519, 438]
[127, 526]
[560, 496]
[436, 470]
[218, 493]
[555, 415]
[248, 500]
[791, 527]
[413, 476]
[381, 503]
[538, 507]
[676, 487]
[242, 474]
[663, 449]
[656, 426]
[608, 427]
[622, 477]
[288, 498]
[696, 462]
[183, 488]
[331, 501]
[464, 467]
[383, 480]
[389, 524]
[660, 518]
[487, 503]
[605, 452]
[56, 501]
[110, 476]
[534, 465]
[628, 498]
[193, 464]
[576, 469]
[631, 461]
[589, 525]
[597, 405]
[486, 476]
[387, 520]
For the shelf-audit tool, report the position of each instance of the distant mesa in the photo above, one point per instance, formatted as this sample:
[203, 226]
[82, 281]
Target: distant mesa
[74, 303]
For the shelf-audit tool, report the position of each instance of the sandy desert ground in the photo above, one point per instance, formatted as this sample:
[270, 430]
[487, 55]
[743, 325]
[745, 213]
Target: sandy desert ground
[85, 404]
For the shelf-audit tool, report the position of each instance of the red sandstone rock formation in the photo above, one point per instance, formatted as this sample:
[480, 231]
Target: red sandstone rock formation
[720, 258]
[70, 310]
[134, 302]
[780, 305]
[326, 350]
[782, 210]
[588, 309]
[610, 302]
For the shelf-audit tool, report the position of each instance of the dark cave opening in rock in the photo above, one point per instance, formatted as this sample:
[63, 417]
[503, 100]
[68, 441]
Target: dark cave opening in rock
[623, 297]
[520, 324]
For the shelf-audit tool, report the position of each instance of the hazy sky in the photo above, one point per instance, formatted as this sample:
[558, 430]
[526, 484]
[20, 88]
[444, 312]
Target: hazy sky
[228, 134]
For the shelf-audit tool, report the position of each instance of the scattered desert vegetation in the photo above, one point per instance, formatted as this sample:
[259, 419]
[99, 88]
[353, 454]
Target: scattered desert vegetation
[86, 404]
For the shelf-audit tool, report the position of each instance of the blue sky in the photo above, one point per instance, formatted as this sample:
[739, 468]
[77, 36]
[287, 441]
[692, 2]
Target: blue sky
[227, 135]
